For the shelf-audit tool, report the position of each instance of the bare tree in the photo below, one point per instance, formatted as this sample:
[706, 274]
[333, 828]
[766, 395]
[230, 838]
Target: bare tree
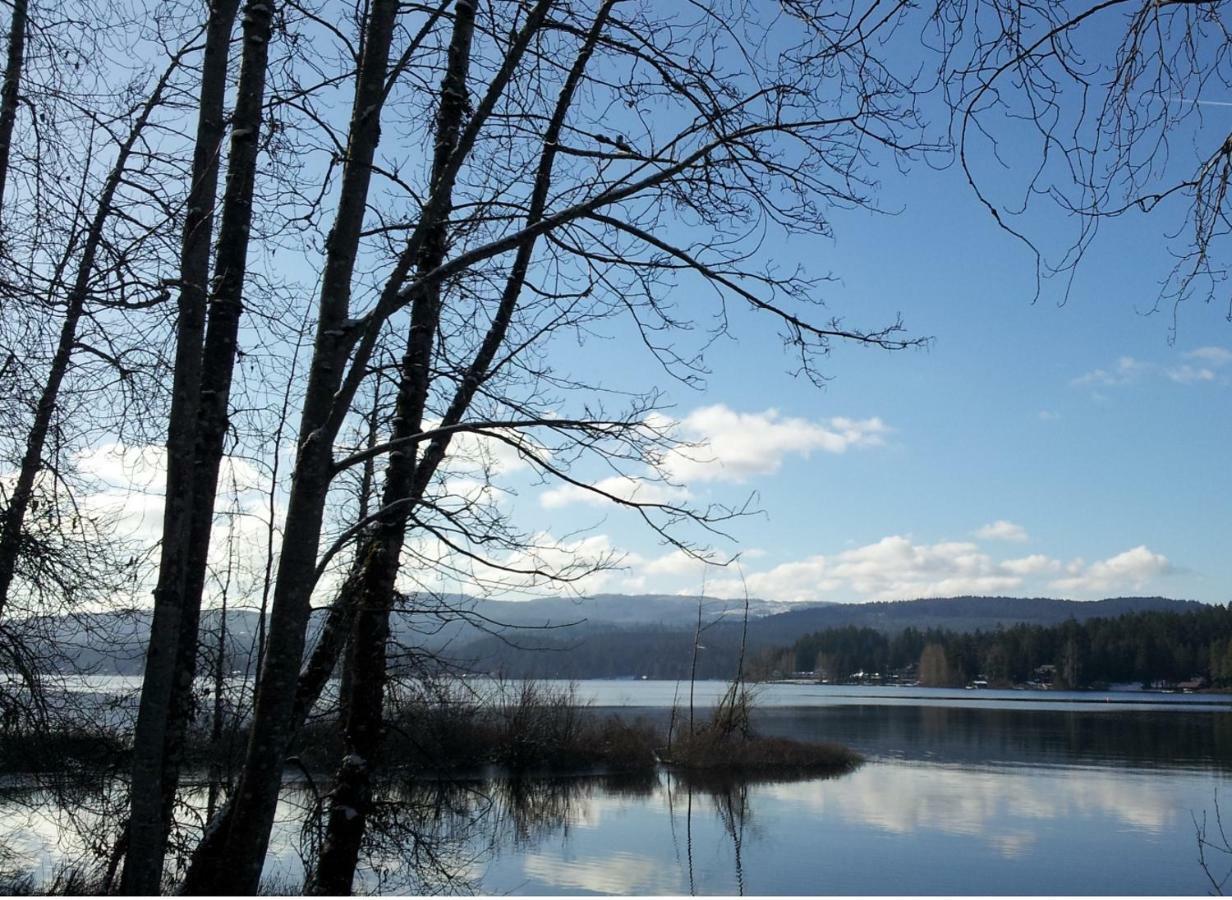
[558, 171]
[205, 356]
[68, 342]
[755, 151]
[1102, 130]
[75, 279]
[11, 88]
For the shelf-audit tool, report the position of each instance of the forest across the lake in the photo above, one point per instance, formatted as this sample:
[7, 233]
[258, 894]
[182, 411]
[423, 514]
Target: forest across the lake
[1188, 650]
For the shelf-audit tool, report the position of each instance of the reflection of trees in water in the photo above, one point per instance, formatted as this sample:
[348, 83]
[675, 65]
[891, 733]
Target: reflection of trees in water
[82, 809]
[1215, 848]
[434, 836]
[728, 798]
[426, 836]
[1023, 734]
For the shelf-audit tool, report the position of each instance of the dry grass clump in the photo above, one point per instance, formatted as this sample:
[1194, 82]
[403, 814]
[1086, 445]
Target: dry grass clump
[714, 750]
[727, 744]
[64, 751]
[519, 728]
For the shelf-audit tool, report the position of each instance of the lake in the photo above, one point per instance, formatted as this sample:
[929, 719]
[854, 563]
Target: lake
[963, 792]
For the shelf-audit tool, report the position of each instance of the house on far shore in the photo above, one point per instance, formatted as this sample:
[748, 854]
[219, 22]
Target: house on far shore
[1194, 684]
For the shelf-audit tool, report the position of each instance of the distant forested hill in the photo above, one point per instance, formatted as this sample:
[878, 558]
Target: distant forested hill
[1141, 647]
[604, 651]
[609, 635]
[953, 614]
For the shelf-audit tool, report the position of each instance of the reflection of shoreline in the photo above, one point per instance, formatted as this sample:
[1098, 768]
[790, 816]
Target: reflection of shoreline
[1002, 808]
[1131, 698]
[617, 834]
[1147, 739]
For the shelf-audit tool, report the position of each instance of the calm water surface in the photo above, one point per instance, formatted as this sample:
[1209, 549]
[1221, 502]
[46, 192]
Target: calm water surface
[963, 793]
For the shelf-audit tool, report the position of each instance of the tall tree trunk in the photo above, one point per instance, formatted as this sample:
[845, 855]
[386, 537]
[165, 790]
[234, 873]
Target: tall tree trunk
[11, 532]
[10, 92]
[153, 781]
[231, 853]
[363, 702]
[241, 836]
[312, 680]
[364, 682]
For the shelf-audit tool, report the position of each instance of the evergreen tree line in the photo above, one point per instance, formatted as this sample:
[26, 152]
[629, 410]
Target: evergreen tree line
[1146, 648]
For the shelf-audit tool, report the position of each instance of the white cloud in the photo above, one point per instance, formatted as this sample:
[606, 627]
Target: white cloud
[1001, 530]
[897, 568]
[798, 581]
[545, 565]
[624, 487]
[726, 446]
[1187, 374]
[735, 446]
[893, 568]
[123, 488]
[1126, 370]
[1212, 356]
[1131, 569]
[676, 563]
[1035, 564]
[476, 453]
[1201, 367]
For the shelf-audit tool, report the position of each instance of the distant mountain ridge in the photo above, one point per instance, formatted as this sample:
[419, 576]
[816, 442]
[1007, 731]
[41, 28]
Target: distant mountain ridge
[601, 650]
[605, 635]
[968, 613]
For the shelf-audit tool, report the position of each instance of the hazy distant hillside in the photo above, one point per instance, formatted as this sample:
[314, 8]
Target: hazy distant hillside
[597, 651]
[606, 635]
[114, 643]
[953, 613]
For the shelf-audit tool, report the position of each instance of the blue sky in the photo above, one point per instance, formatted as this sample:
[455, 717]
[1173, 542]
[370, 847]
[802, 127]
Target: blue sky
[1037, 447]
[1069, 444]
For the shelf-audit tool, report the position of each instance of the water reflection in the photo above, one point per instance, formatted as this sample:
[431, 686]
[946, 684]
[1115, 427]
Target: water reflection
[953, 800]
[433, 837]
[1088, 736]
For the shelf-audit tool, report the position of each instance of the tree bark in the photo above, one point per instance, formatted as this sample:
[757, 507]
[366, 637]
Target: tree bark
[363, 696]
[366, 664]
[241, 835]
[230, 856]
[10, 92]
[191, 480]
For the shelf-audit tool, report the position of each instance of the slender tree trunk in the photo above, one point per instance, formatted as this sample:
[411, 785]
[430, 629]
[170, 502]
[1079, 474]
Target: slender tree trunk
[231, 853]
[697, 640]
[241, 836]
[11, 532]
[364, 686]
[363, 702]
[154, 781]
[10, 92]
[312, 680]
[216, 719]
[218, 357]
